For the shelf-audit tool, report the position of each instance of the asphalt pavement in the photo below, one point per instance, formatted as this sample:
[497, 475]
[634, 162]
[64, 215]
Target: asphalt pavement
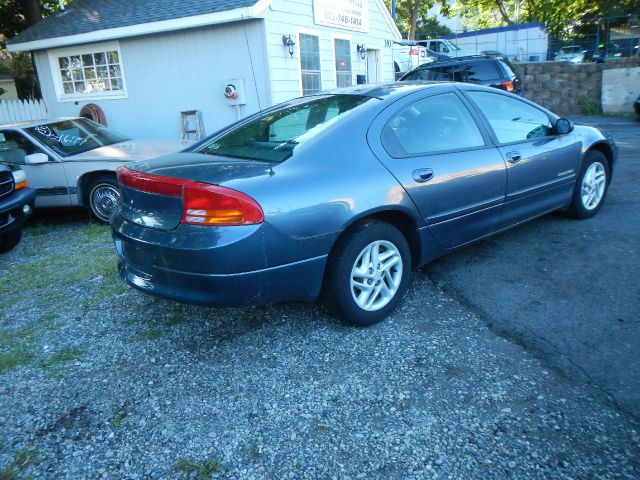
[566, 290]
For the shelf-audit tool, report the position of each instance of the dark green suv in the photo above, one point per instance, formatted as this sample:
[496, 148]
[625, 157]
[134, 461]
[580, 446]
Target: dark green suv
[16, 202]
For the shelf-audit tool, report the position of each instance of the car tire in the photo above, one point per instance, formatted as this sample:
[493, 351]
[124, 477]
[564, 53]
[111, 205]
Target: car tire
[591, 186]
[10, 239]
[346, 273]
[103, 197]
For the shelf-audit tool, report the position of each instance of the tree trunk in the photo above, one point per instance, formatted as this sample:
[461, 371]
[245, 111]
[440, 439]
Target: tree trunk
[413, 8]
[32, 11]
[503, 12]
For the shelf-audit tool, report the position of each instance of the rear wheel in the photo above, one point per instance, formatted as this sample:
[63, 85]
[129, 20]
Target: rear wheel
[10, 239]
[368, 273]
[104, 197]
[591, 186]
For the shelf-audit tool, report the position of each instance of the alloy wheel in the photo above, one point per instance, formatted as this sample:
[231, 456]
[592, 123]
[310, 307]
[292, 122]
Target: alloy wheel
[376, 275]
[593, 185]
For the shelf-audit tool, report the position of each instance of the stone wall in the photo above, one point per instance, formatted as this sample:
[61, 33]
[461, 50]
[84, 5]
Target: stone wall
[568, 89]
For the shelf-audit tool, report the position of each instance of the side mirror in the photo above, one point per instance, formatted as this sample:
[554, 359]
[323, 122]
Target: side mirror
[445, 49]
[563, 126]
[36, 158]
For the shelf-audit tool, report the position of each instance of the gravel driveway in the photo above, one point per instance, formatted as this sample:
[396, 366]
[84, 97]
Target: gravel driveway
[100, 381]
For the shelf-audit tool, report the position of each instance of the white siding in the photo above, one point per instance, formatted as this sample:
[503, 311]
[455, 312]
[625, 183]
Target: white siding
[291, 17]
[169, 73]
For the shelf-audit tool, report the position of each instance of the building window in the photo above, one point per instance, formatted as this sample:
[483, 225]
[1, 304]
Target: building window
[343, 62]
[310, 64]
[89, 72]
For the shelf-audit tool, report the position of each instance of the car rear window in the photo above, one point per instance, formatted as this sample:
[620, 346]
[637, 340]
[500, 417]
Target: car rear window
[274, 135]
[482, 71]
[70, 137]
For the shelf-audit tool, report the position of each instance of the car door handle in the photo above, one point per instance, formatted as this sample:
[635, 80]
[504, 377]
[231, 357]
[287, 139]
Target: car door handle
[514, 157]
[422, 175]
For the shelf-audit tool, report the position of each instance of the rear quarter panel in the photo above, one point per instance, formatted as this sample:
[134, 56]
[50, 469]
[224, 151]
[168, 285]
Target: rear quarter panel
[329, 183]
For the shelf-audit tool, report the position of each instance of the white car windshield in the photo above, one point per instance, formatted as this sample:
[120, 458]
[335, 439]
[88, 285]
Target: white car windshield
[70, 137]
[451, 46]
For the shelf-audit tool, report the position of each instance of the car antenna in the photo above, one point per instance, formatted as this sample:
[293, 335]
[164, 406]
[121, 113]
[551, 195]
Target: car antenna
[253, 72]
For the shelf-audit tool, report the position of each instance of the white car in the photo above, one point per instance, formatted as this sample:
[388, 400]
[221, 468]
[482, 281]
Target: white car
[445, 47]
[408, 55]
[572, 54]
[72, 162]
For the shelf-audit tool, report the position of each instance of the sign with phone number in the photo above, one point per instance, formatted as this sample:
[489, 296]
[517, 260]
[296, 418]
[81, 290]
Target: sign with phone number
[345, 14]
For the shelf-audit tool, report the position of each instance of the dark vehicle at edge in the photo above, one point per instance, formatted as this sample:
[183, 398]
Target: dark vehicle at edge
[16, 203]
[636, 107]
[339, 195]
[490, 71]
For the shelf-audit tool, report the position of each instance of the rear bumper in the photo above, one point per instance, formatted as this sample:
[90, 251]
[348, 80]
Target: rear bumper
[217, 266]
[11, 208]
[285, 282]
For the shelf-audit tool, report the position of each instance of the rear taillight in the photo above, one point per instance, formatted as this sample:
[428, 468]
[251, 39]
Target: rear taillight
[413, 51]
[508, 86]
[202, 203]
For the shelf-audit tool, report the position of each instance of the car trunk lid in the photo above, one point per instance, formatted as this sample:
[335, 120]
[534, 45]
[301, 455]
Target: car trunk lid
[170, 190]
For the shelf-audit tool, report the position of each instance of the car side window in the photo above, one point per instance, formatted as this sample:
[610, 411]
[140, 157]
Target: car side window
[14, 147]
[434, 124]
[511, 119]
[19, 140]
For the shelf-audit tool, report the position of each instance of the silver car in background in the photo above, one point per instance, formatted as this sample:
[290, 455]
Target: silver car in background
[571, 54]
[72, 162]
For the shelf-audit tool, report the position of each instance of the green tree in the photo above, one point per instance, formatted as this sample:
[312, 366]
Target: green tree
[16, 16]
[408, 12]
[492, 13]
[429, 27]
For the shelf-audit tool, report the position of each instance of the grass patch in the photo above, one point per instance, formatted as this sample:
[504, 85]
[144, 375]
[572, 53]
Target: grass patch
[203, 470]
[15, 358]
[174, 317]
[590, 108]
[39, 229]
[150, 334]
[93, 265]
[120, 416]
[21, 460]
[60, 357]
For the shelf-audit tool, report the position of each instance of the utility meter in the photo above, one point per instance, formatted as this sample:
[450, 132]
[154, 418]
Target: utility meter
[234, 91]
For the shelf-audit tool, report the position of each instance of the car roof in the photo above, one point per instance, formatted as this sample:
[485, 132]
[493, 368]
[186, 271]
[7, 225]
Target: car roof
[382, 90]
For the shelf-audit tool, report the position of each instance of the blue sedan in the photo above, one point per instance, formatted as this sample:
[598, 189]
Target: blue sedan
[339, 195]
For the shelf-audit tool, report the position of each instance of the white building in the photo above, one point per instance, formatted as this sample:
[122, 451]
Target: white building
[145, 64]
[525, 42]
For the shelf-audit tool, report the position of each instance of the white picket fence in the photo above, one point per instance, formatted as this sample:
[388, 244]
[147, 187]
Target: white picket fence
[22, 110]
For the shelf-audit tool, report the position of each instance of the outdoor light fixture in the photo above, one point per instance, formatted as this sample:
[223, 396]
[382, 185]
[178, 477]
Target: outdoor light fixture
[362, 50]
[287, 42]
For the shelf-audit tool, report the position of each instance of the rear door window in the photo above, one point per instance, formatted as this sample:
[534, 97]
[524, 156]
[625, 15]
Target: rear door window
[434, 124]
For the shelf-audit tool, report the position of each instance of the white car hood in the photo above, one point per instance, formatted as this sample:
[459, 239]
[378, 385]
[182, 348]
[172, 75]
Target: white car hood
[131, 151]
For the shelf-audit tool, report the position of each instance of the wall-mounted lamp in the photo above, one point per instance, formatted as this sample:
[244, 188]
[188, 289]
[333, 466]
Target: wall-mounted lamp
[362, 50]
[287, 42]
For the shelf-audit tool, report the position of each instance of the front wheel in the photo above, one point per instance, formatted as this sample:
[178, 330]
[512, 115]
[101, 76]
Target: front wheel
[104, 198]
[368, 273]
[10, 239]
[591, 186]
